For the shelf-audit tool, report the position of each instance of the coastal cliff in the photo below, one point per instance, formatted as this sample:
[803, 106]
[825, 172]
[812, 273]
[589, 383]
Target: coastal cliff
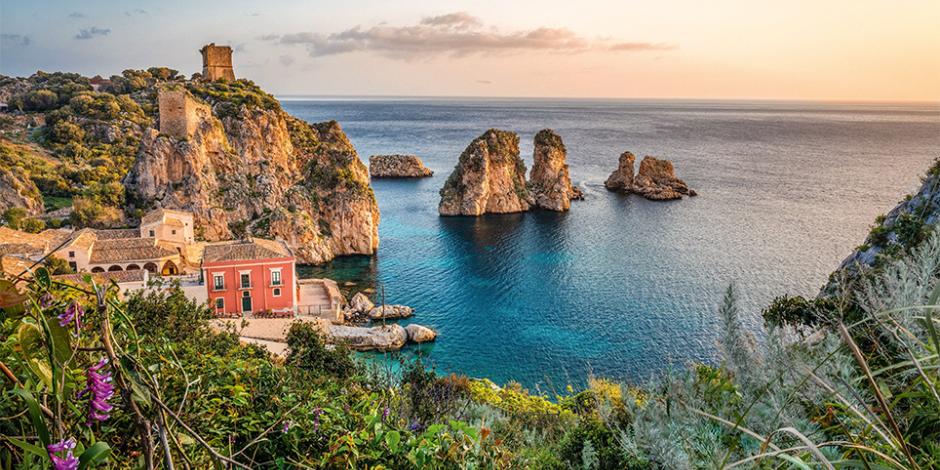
[488, 178]
[549, 181]
[254, 170]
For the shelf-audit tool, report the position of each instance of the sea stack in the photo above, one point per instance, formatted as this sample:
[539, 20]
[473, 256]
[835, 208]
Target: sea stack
[488, 178]
[397, 166]
[622, 178]
[549, 181]
[656, 179]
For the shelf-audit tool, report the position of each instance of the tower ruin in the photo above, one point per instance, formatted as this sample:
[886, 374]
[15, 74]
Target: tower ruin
[178, 116]
[217, 63]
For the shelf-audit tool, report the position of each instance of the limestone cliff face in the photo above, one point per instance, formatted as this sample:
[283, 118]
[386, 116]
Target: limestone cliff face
[262, 172]
[549, 181]
[656, 179]
[18, 191]
[489, 178]
[397, 166]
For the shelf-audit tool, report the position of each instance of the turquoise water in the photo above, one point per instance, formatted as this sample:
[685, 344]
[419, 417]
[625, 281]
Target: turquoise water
[620, 286]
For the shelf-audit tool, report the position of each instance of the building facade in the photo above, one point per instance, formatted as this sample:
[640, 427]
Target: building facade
[250, 276]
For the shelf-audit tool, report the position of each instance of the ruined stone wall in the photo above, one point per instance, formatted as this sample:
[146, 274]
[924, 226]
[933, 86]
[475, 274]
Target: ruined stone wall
[178, 116]
[217, 63]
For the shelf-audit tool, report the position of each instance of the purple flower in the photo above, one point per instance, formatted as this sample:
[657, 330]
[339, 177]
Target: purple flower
[286, 427]
[415, 426]
[385, 413]
[316, 418]
[73, 313]
[67, 462]
[46, 300]
[99, 386]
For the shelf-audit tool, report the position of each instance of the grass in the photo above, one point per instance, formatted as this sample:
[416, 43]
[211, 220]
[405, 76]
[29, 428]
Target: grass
[56, 202]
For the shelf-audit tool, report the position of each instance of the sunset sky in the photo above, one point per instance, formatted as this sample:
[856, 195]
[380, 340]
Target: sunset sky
[796, 49]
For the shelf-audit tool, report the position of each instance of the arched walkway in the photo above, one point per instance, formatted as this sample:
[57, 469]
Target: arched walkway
[132, 267]
[151, 267]
[97, 269]
[114, 267]
[169, 269]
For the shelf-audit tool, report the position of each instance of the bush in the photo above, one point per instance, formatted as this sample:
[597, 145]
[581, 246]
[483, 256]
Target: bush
[309, 352]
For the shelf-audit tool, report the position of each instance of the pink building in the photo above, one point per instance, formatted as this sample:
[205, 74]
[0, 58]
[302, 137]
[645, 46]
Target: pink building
[249, 276]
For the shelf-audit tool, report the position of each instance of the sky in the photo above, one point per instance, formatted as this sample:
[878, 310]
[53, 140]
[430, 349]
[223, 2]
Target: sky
[841, 50]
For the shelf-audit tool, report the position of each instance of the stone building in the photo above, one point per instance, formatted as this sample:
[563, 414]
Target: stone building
[217, 63]
[178, 113]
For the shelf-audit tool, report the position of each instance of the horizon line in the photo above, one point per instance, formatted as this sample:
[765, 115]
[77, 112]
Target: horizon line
[366, 96]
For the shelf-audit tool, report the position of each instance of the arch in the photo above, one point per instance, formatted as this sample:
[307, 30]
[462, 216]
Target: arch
[169, 269]
[97, 269]
[151, 267]
[114, 268]
[132, 267]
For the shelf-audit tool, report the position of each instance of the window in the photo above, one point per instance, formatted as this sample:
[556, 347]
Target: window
[220, 304]
[277, 292]
[71, 254]
[275, 277]
[174, 232]
[152, 233]
[73, 265]
[218, 282]
[246, 280]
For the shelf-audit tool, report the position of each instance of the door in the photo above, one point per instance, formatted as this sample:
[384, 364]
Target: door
[246, 302]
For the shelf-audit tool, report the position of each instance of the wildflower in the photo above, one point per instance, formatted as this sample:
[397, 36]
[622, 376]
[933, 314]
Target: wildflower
[415, 426]
[98, 385]
[286, 427]
[73, 313]
[316, 418]
[46, 300]
[67, 462]
[385, 413]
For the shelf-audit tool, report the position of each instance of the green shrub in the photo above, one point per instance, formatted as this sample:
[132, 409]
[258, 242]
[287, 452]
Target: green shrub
[308, 351]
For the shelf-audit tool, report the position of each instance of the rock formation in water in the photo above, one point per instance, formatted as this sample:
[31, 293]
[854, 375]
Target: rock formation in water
[549, 182]
[249, 169]
[622, 178]
[397, 166]
[420, 334]
[390, 312]
[656, 179]
[488, 178]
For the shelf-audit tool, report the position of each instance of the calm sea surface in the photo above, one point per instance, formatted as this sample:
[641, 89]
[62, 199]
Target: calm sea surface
[620, 286]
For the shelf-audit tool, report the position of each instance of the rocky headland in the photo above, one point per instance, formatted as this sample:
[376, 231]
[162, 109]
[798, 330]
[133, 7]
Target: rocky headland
[549, 181]
[656, 179]
[255, 170]
[398, 166]
[490, 177]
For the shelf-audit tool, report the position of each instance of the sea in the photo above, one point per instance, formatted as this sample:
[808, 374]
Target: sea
[619, 286]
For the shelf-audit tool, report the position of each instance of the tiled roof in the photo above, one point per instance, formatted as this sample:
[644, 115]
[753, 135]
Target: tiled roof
[111, 234]
[246, 250]
[12, 266]
[42, 241]
[157, 215]
[23, 249]
[136, 275]
[127, 249]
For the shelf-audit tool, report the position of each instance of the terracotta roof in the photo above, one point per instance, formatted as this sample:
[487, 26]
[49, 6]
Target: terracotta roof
[23, 249]
[43, 241]
[83, 239]
[156, 215]
[127, 249]
[136, 275]
[117, 233]
[12, 266]
[246, 250]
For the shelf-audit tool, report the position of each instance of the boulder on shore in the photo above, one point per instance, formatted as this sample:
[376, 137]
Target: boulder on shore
[420, 334]
[360, 303]
[549, 181]
[488, 178]
[391, 312]
[656, 179]
[397, 166]
[378, 338]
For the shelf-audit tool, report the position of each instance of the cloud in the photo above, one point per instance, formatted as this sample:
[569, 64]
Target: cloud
[456, 34]
[93, 32]
[136, 11]
[485, 82]
[76, 14]
[286, 60]
[14, 40]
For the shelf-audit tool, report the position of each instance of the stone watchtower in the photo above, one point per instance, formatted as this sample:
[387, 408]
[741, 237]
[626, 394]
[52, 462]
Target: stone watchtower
[217, 63]
[178, 117]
